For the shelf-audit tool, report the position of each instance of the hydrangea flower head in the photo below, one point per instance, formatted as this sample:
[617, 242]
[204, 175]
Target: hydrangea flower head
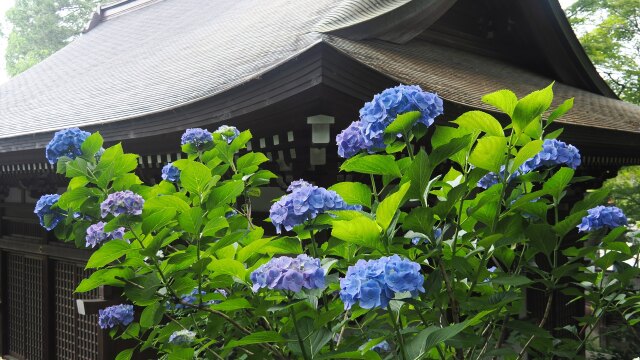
[228, 133]
[378, 113]
[197, 137]
[286, 273]
[44, 211]
[170, 173]
[554, 152]
[351, 140]
[122, 202]
[115, 315]
[437, 232]
[304, 202]
[182, 337]
[374, 283]
[66, 142]
[193, 298]
[381, 347]
[96, 234]
[602, 217]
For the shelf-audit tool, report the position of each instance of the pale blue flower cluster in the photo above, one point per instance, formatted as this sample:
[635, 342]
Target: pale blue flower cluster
[122, 202]
[602, 217]
[437, 232]
[197, 137]
[115, 315]
[286, 273]
[193, 298]
[182, 337]
[228, 133]
[376, 115]
[170, 173]
[374, 283]
[44, 211]
[66, 142]
[96, 234]
[381, 347]
[554, 152]
[305, 202]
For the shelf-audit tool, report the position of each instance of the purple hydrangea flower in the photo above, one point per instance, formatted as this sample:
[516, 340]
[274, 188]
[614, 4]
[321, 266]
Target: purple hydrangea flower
[182, 337]
[44, 211]
[65, 142]
[286, 273]
[228, 133]
[170, 173]
[305, 202]
[351, 140]
[96, 234]
[554, 152]
[115, 315]
[122, 202]
[377, 114]
[602, 217]
[373, 283]
[197, 137]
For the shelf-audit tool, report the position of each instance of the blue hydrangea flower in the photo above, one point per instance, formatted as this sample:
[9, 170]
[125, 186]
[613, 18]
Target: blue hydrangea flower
[602, 217]
[182, 337]
[381, 347]
[170, 173]
[65, 142]
[197, 137]
[115, 315]
[96, 234]
[192, 298]
[122, 202]
[228, 133]
[374, 283]
[351, 140]
[43, 210]
[437, 232]
[377, 114]
[554, 152]
[305, 202]
[286, 273]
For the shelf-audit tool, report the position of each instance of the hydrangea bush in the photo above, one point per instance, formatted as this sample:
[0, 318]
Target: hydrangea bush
[428, 254]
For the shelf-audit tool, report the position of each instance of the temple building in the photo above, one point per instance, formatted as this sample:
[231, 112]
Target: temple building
[295, 73]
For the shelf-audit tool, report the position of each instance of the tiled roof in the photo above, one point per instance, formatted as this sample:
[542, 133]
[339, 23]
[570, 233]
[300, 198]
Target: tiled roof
[161, 55]
[463, 78]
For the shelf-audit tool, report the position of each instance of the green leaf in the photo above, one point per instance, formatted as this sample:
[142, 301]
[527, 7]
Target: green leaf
[92, 144]
[151, 315]
[443, 136]
[505, 100]
[360, 231]
[190, 221]
[232, 304]
[452, 147]
[541, 237]
[480, 120]
[531, 107]
[158, 219]
[73, 199]
[556, 184]
[259, 337]
[144, 292]
[560, 110]
[354, 193]
[372, 164]
[107, 253]
[387, 208]
[195, 177]
[511, 280]
[226, 193]
[240, 141]
[77, 167]
[228, 267]
[403, 123]
[489, 153]
[525, 153]
[554, 134]
[77, 182]
[248, 162]
[125, 181]
[182, 353]
[110, 276]
[165, 201]
[418, 174]
[125, 354]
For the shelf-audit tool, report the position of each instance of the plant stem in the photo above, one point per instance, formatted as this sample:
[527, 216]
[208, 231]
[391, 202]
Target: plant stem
[300, 340]
[398, 333]
[547, 312]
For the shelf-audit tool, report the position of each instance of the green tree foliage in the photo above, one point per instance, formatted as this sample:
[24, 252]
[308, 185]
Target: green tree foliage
[609, 31]
[39, 28]
[625, 191]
